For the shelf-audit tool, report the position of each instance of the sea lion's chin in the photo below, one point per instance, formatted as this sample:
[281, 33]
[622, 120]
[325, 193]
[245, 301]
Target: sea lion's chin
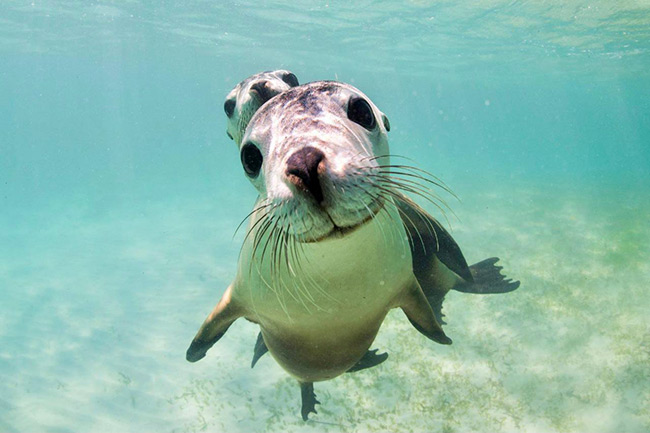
[339, 232]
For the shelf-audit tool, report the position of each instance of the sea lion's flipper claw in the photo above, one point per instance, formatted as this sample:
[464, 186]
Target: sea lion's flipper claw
[260, 349]
[435, 300]
[487, 279]
[419, 312]
[309, 401]
[369, 359]
[213, 328]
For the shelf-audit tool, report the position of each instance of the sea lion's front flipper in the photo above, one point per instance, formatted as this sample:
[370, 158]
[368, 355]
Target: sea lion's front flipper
[438, 263]
[369, 359]
[419, 312]
[260, 349]
[309, 401]
[213, 328]
[427, 237]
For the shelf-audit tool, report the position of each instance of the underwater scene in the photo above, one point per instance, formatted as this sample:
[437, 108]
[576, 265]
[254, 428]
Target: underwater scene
[121, 193]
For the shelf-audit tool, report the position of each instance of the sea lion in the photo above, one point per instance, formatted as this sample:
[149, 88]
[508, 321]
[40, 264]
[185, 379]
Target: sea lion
[250, 94]
[240, 105]
[333, 243]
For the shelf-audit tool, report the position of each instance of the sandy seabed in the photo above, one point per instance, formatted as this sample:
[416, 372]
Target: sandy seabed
[98, 309]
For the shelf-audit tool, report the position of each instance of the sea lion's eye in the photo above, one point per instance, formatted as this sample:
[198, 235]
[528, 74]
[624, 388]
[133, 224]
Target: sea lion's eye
[251, 159]
[229, 107]
[290, 79]
[359, 111]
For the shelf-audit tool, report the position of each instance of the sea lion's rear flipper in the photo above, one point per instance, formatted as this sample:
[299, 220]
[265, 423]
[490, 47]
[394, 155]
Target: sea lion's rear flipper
[419, 312]
[309, 401]
[213, 328]
[369, 359]
[487, 279]
[260, 349]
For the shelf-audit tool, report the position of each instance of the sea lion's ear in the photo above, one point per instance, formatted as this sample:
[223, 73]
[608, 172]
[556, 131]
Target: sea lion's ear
[384, 118]
[217, 323]
[419, 312]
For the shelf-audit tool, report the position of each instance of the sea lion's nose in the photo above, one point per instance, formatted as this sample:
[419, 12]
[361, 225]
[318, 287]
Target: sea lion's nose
[302, 171]
[263, 90]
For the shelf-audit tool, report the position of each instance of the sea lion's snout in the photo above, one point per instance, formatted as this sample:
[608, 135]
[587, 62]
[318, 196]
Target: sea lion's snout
[304, 168]
[264, 91]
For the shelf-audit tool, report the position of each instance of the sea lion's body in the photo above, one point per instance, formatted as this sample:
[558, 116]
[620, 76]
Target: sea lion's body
[333, 243]
[319, 322]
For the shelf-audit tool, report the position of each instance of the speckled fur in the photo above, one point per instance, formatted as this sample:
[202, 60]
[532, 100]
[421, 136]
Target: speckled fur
[315, 114]
[247, 102]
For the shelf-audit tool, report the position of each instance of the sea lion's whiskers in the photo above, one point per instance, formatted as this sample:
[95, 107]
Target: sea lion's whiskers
[398, 172]
[408, 232]
[315, 284]
[276, 281]
[301, 291]
[286, 236]
[277, 296]
[386, 194]
[371, 214]
[394, 170]
[276, 256]
[278, 248]
[393, 175]
[417, 186]
[374, 216]
[306, 292]
[421, 213]
[257, 209]
[390, 192]
[274, 238]
[297, 256]
[397, 184]
[403, 214]
[262, 219]
[413, 190]
[259, 236]
[298, 294]
[283, 246]
[411, 242]
[269, 240]
[427, 175]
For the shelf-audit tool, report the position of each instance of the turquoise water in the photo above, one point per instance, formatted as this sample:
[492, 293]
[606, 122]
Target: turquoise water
[120, 193]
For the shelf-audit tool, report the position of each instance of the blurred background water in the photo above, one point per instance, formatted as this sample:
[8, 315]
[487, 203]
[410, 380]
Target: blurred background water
[120, 192]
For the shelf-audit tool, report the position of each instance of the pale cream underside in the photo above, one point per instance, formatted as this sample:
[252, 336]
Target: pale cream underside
[320, 314]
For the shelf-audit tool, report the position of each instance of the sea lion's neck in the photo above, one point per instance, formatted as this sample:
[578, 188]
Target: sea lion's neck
[296, 283]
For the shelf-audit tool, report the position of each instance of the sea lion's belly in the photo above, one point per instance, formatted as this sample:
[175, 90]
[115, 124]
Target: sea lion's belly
[320, 311]
[323, 351]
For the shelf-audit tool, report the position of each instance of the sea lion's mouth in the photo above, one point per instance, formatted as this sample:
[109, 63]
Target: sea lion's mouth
[338, 232]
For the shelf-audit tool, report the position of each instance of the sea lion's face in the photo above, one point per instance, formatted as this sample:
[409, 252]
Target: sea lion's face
[314, 153]
[249, 95]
